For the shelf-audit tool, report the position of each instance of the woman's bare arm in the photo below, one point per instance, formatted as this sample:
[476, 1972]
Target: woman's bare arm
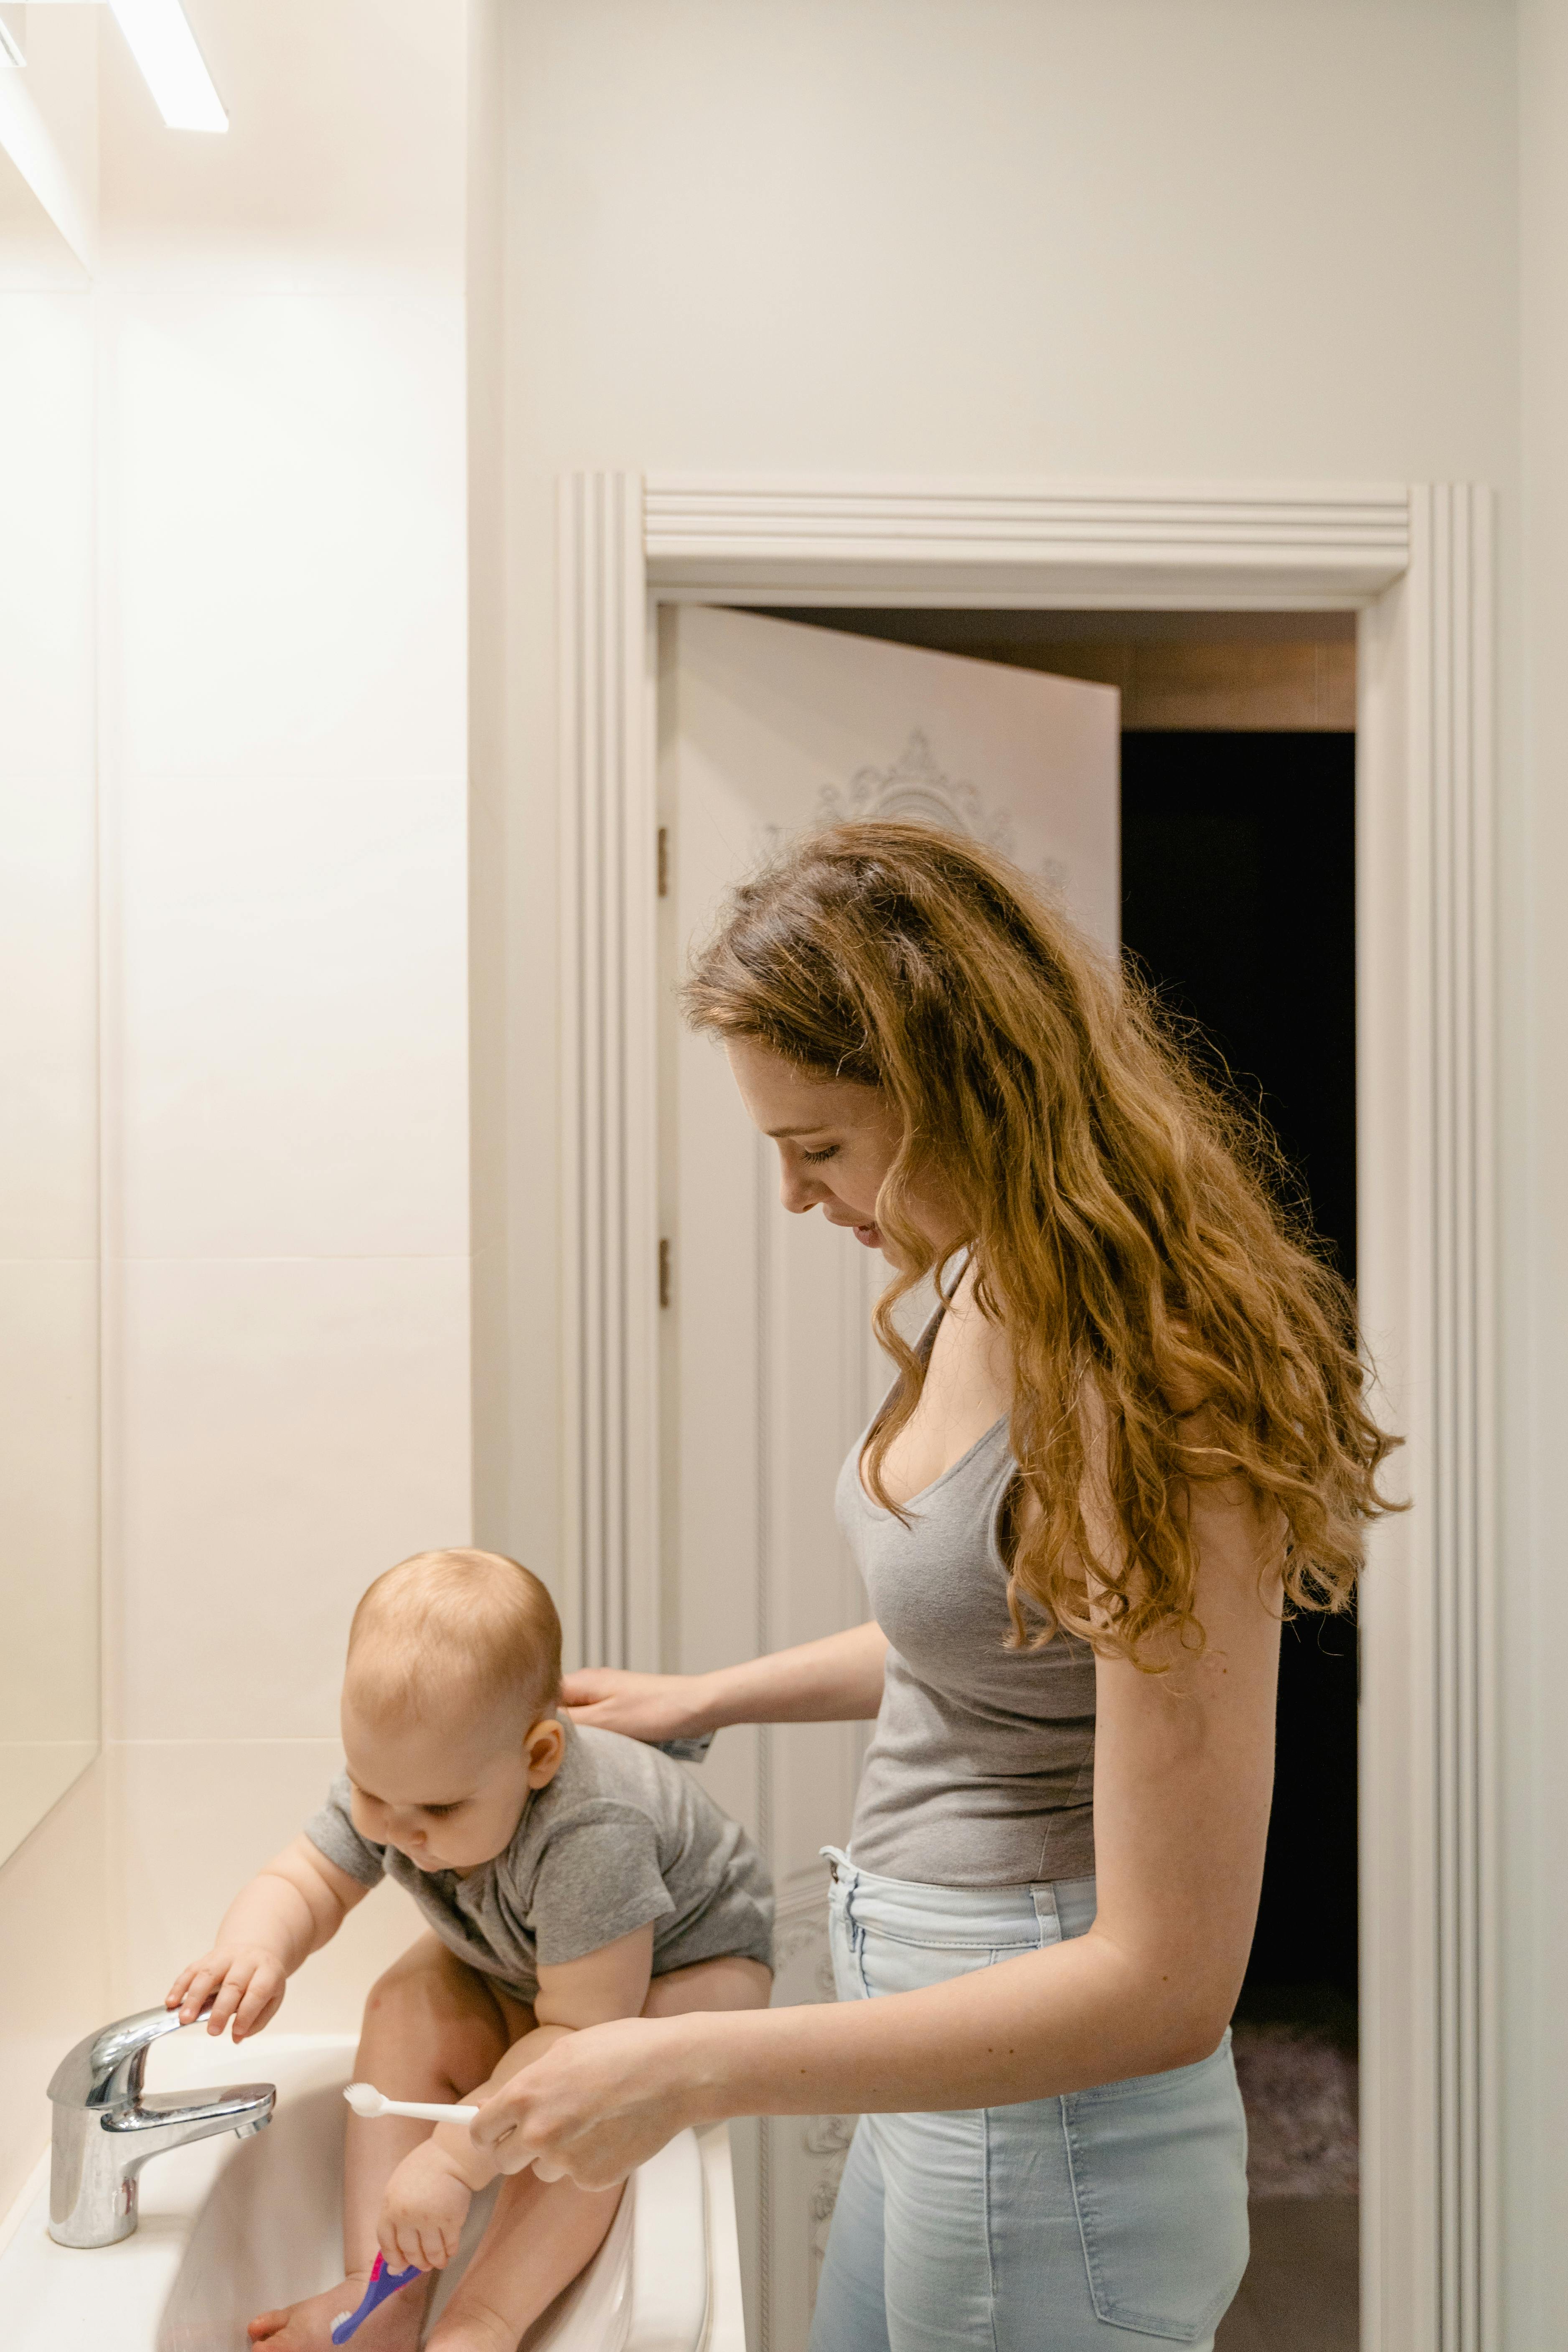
[838, 1680]
[1183, 1779]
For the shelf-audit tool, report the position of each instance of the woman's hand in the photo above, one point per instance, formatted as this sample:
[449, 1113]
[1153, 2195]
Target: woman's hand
[644, 1707]
[598, 2104]
[838, 1680]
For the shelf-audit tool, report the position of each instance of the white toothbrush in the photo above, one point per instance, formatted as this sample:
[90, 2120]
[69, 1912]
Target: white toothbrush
[366, 2100]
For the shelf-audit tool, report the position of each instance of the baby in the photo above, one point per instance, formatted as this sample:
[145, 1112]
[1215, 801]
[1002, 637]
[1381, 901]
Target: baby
[568, 1875]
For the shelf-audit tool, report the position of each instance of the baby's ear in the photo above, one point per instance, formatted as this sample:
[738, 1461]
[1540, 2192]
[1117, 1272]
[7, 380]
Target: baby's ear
[544, 1748]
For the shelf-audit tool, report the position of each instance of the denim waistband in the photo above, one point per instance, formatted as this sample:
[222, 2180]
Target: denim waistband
[978, 1915]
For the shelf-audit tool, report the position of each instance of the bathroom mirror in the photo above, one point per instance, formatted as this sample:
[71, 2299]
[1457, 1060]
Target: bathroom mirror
[48, 1023]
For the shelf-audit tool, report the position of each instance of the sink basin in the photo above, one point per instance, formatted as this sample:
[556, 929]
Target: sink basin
[229, 2229]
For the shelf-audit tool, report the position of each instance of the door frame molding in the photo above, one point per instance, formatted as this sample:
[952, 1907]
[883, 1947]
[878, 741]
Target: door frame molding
[1416, 561]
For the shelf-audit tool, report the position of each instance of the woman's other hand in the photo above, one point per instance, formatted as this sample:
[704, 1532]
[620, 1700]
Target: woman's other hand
[644, 1707]
[598, 2104]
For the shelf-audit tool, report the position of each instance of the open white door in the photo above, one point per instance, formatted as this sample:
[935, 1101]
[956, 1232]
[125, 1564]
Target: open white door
[769, 728]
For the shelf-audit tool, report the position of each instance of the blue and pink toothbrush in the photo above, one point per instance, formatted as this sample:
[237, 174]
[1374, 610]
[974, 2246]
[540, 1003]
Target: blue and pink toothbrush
[383, 2283]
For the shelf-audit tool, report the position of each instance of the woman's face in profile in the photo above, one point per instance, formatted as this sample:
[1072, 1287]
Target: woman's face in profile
[836, 1141]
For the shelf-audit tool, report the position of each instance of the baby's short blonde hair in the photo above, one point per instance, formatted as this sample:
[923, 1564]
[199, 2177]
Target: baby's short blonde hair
[470, 1627]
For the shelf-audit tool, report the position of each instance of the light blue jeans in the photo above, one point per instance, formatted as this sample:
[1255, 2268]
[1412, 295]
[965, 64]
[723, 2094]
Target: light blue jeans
[1051, 2226]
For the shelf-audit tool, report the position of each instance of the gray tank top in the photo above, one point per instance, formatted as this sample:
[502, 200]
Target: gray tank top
[981, 1771]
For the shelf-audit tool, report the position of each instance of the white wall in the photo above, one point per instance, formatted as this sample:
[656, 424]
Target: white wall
[1014, 235]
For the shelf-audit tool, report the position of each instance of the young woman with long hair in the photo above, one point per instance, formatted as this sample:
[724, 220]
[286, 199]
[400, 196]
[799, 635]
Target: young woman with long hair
[1134, 1434]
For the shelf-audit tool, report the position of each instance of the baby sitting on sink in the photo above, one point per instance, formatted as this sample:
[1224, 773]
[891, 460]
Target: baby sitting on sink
[569, 1875]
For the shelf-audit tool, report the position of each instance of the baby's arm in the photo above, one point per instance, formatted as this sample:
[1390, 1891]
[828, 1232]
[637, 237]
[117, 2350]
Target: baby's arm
[291, 1908]
[428, 2195]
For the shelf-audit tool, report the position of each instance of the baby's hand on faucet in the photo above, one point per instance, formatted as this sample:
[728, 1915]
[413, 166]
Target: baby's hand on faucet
[422, 2211]
[245, 1983]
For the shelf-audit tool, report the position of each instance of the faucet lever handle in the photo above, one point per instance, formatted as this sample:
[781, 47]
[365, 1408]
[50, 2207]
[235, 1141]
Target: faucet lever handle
[107, 2069]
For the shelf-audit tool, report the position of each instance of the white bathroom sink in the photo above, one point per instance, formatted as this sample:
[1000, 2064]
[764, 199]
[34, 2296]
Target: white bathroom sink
[229, 2229]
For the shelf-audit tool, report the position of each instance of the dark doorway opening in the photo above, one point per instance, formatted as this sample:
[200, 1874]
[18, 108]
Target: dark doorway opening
[1238, 902]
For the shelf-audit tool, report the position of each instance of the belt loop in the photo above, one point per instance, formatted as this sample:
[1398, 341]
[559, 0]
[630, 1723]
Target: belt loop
[1047, 1918]
[842, 1874]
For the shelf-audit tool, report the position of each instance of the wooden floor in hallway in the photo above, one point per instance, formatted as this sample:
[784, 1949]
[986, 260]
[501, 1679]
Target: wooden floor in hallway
[1302, 2285]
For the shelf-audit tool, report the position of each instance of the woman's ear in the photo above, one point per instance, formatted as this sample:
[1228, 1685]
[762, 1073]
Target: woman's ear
[543, 1749]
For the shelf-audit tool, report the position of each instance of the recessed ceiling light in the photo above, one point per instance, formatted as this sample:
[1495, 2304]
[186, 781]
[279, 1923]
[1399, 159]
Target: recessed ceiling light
[159, 37]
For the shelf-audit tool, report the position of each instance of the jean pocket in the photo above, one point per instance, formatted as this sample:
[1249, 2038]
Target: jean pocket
[1158, 2177]
[906, 1964]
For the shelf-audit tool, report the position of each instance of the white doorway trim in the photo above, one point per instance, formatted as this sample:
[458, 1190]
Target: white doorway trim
[1417, 563]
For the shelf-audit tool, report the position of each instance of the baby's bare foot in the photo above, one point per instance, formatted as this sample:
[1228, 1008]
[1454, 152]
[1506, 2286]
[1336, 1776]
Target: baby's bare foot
[393, 2326]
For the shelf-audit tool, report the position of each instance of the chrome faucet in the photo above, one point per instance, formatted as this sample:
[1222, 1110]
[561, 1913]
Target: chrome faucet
[107, 2126]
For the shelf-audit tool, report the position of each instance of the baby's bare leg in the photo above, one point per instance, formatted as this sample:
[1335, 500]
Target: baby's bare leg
[542, 2233]
[433, 2029]
[728, 1983]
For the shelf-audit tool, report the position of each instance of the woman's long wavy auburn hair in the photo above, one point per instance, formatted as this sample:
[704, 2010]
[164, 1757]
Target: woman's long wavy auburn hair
[1118, 1209]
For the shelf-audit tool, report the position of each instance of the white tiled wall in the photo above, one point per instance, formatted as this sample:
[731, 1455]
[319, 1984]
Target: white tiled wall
[284, 481]
[49, 1032]
[280, 519]
[54, 1958]
[284, 681]
[188, 1820]
[284, 1429]
[54, 1965]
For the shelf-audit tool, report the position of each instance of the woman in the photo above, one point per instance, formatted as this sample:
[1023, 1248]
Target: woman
[1133, 1436]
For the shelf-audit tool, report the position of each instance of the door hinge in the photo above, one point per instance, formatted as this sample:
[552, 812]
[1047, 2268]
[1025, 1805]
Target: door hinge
[664, 1274]
[664, 861]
